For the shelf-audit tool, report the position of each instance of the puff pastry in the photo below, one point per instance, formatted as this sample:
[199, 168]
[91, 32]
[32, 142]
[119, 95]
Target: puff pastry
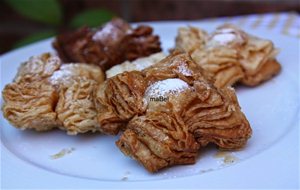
[230, 54]
[75, 108]
[30, 105]
[118, 99]
[46, 94]
[111, 44]
[168, 115]
[38, 68]
[136, 65]
[67, 73]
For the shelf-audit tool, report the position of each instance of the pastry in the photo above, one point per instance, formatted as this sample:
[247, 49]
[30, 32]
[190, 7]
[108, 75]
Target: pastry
[230, 54]
[67, 73]
[109, 45]
[29, 101]
[166, 108]
[167, 116]
[38, 68]
[75, 107]
[136, 65]
[118, 99]
[30, 105]
[47, 94]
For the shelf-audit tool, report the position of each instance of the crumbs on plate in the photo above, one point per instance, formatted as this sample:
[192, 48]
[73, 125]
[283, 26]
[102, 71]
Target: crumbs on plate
[125, 177]
[228, 158]
[62, 153]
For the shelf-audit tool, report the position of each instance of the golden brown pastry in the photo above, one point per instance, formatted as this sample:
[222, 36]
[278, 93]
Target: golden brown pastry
[230, 54]
[46, 94]
[75, 84]
[109, 45]
[29, 102]
[158, 140]
[118, 99]
[136, 65]
[75, 108]
[30, 105]
[168, 112]
[190, 38]
[38, 68]
[266, 72]
[67, 73]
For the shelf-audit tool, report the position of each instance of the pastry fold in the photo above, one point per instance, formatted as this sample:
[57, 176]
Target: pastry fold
[111, 44]
[76, 109]
[169, 111]
[119, 99]
[230, 54]
[158, 140]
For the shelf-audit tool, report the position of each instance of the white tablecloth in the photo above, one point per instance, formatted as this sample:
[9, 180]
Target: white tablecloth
[284, 23]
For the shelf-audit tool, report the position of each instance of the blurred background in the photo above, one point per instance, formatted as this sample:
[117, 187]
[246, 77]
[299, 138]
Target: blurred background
[26, 21]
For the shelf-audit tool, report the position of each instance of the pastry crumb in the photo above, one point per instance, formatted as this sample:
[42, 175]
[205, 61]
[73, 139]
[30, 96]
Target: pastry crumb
[204, 171]
[126, 175]
[62, 153]
[228, 158]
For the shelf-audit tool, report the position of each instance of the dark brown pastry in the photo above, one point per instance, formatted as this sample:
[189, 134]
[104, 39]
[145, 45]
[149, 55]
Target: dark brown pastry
[111, 44]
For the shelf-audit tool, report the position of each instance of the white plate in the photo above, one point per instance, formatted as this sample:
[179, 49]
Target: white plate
[270, 159]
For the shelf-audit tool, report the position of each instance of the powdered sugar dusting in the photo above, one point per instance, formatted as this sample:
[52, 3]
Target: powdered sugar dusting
[163, 87]
[224, 38]
[184, 70]
[226, 30]
[107, 30]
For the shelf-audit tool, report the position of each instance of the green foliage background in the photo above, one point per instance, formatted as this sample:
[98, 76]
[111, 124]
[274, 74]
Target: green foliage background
[49, 12]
